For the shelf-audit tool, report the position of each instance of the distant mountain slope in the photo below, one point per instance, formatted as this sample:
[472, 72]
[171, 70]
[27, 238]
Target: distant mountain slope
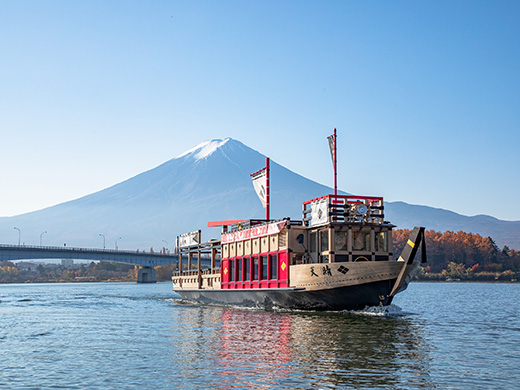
[405, 215]
[209, 182]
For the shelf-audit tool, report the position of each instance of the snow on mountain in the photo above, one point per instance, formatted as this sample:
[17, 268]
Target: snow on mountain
[208, 182]
[205, 149]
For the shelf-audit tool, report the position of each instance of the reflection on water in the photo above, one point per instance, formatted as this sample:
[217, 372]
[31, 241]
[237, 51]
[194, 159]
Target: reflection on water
[128, 336]
[356, 350]
[261, 347]
[273, 350]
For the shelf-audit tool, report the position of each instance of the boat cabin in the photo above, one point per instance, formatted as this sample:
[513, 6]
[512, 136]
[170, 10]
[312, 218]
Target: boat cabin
[257, 254]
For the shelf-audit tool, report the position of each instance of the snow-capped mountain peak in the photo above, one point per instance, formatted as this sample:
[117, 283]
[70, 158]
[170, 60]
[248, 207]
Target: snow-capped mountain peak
[204, 149]
[209, 182]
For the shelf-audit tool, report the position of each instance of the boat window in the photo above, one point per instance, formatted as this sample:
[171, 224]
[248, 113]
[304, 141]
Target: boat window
[324, 240]
[361, 240]
[340, 258]
[324, 258]
[245, 264]
[297, 258]
[381, 242]
[231, 270]
[340, 240]
[254, 268]
[274, 266]
[263, 260]
[239, 270]
[312, 242]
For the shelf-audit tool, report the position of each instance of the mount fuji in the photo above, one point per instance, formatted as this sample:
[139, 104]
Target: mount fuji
[208, 182]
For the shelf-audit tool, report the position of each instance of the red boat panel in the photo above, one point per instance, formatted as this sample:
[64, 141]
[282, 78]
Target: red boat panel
[245, 272]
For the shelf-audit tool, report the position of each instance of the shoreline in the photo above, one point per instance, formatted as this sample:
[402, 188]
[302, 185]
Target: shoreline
[168, 281]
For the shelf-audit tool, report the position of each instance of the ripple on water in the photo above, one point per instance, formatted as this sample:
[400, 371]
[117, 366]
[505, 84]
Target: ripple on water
[101, 336]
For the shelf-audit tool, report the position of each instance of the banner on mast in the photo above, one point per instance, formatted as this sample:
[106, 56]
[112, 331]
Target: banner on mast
[191, 238]
[332, 146]
[319, 212]
[260, 184]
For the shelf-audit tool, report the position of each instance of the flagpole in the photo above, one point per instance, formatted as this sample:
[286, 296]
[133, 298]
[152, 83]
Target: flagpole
[267, 198]
[335, 167]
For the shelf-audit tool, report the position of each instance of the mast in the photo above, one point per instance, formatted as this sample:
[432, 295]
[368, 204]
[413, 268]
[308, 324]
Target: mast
[333, 154]
[262, 187]
[335, 166]
[268, 192]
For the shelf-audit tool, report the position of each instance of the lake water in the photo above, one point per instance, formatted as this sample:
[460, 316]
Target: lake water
[130, 336]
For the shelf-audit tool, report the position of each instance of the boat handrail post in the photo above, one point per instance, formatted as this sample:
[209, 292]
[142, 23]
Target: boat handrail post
[180, 257]
[331, 244]
[213, 255]
[199, 277]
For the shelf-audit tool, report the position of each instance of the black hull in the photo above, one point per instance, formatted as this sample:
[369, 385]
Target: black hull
[341, 298]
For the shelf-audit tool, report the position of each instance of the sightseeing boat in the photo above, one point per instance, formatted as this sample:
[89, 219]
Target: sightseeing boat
[339, 256]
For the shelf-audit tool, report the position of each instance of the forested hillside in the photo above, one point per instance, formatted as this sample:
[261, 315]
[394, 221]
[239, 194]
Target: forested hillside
[464, 256]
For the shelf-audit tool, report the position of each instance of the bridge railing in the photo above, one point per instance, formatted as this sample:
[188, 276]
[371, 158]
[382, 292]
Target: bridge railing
[89, 250]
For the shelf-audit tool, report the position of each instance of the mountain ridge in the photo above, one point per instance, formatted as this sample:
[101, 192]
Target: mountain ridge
[210, 181]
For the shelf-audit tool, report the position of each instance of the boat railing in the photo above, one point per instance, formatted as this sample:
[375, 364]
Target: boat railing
[251, 223]
[342, 209]
[206, 279]
[194, 272]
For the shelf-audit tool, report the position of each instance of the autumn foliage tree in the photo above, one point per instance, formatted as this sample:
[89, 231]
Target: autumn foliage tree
[471, 251]
[8, 272]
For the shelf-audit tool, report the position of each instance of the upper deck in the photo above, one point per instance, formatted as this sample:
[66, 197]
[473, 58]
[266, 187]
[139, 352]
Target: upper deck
[333, 209]
[261, 253]
[334, 228]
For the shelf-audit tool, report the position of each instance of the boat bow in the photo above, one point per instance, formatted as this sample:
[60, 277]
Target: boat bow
[408, 257]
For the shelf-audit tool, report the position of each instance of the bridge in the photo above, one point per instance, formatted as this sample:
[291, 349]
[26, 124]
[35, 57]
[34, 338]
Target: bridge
[146, 274]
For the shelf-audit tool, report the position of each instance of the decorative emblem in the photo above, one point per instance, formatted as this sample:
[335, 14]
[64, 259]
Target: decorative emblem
[343, 269]
[283, 266]
[225, 271]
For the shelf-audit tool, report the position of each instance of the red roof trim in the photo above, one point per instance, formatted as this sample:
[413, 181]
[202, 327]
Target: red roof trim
[260, 170]
[224, 223]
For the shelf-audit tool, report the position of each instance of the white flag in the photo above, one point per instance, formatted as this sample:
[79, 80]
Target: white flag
[260, 183]
[319, 212]
[188, 239]
[332, 146]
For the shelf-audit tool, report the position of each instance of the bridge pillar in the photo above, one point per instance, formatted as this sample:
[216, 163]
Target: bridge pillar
[146, 275]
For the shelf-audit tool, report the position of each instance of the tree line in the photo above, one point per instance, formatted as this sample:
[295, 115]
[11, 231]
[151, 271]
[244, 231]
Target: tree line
[455, 255]
[460, 255]
[102, 271]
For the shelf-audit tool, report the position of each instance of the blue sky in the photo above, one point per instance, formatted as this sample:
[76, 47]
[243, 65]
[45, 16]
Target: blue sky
[424, 94]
